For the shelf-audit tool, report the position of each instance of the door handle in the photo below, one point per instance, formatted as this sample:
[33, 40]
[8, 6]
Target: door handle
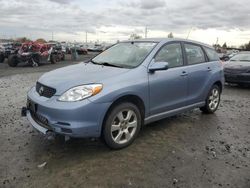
[208, 69]
[184, 73]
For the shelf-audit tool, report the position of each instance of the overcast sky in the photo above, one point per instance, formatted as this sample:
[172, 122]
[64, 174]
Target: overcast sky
[112, 20]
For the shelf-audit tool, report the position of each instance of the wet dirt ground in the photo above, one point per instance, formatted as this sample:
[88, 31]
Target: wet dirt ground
[189, 150]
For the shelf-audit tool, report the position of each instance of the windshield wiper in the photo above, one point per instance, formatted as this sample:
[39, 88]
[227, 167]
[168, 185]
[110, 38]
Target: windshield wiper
[94, 62]
[106, 64]
[110, 64]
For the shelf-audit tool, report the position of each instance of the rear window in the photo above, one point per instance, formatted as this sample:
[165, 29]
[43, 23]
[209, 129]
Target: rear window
[211, 53]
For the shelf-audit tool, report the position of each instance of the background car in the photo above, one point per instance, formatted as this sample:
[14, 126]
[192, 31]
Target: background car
[96, 48]
[237, 70]
[34, 54]
[6, 49]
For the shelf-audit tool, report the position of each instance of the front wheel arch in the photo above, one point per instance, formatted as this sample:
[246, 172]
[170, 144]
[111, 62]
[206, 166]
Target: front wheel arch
[123, 127]
[134, 99]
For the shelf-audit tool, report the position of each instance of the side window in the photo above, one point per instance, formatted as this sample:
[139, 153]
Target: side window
[195, 54]
[172, 54]
[211, 53]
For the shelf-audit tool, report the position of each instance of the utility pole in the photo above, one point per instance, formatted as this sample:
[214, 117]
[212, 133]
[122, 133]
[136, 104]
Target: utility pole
[52, 36]
[146, 32]
[86, 37]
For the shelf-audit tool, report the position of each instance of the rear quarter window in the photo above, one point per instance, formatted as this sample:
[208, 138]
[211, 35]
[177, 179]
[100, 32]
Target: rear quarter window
[194, 54]
[211, 54]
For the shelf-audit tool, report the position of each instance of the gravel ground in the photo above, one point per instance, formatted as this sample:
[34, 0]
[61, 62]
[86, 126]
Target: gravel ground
[188, 150]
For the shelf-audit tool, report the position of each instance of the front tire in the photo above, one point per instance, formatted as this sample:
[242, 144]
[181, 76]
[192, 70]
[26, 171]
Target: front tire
[13, 60]
[212, 101]
[122, 125]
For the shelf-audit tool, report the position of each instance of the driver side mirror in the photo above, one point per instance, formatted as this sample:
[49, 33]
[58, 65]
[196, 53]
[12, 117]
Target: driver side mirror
[158, 66]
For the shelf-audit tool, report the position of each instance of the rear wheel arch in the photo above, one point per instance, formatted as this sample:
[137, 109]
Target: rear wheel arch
[219, 84]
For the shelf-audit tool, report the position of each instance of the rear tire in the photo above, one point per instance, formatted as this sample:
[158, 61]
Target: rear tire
[1, 58]
[53, 59]
[122, 125]
[13, 60]
[212, 100]
[63, 57]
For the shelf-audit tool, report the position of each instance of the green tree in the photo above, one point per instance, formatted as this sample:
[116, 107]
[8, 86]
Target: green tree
[246, 46]
[224, 45]
[23, 39]
[41, 40]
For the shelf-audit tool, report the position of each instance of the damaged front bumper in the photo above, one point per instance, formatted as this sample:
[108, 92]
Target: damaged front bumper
[26, 113]
[74, 119]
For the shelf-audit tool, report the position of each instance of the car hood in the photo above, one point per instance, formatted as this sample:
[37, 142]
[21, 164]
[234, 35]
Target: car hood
[238, 65]
[84, 73]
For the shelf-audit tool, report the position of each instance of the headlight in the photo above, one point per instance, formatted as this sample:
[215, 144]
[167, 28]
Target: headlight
[80, 92]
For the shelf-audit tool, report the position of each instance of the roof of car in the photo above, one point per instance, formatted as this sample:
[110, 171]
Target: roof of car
[168, 40]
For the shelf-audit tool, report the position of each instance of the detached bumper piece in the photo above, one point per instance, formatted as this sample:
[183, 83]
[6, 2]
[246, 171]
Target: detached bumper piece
[45, 129]
[38, 121]
[36, 125]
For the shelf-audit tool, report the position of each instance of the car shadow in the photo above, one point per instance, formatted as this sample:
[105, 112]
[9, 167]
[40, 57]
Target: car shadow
[237, 86]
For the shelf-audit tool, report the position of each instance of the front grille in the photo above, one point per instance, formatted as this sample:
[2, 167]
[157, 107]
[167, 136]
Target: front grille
[234, 71]
[45, 91]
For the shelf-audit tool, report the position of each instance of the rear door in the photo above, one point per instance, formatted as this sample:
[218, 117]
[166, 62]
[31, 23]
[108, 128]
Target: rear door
[198, 69]
[168, 88]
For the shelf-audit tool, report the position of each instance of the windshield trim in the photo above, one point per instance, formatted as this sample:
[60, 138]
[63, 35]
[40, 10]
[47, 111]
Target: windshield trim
[91, 60]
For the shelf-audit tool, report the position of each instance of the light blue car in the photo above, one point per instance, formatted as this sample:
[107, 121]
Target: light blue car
[131, 84]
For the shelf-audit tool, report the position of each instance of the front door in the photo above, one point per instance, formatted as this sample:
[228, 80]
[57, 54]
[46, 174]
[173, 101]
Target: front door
[168, 88]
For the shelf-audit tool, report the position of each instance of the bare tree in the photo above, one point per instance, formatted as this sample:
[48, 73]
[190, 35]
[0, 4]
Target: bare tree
[134, 36]
[171, 35]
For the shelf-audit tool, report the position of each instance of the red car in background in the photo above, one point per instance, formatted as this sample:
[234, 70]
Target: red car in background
[34, 54]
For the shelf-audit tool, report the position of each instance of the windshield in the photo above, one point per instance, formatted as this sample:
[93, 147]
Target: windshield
[241, 57]
[126, 54]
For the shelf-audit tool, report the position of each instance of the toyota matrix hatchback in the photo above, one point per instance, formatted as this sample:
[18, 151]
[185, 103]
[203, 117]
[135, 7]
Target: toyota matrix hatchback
[131, 84]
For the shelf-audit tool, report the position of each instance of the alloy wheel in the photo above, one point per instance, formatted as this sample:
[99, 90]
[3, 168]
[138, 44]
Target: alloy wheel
[214, 99]
[124, 126]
